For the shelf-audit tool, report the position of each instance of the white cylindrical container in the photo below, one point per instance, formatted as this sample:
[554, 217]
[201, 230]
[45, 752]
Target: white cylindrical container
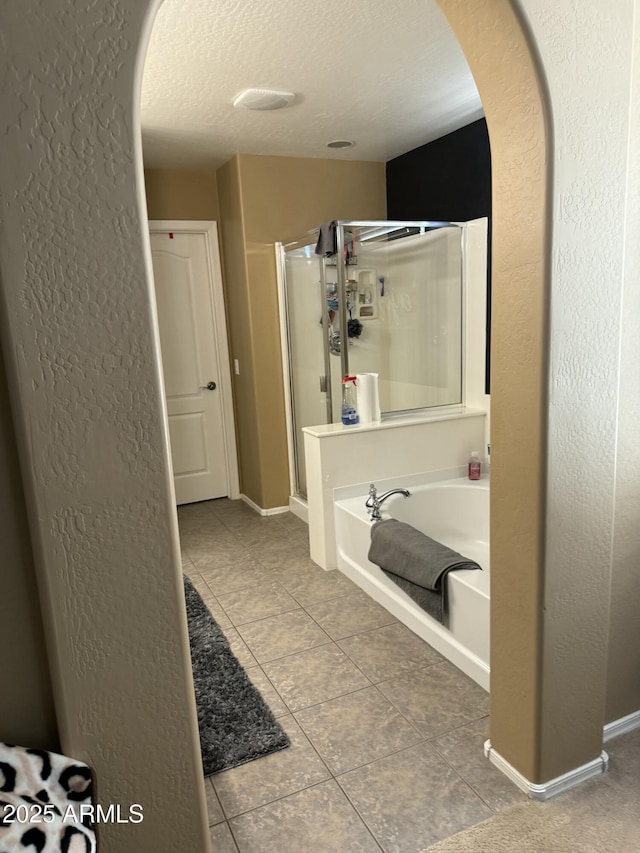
[368, 398]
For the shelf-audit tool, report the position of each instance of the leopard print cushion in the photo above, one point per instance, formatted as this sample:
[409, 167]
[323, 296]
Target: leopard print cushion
[41, 799]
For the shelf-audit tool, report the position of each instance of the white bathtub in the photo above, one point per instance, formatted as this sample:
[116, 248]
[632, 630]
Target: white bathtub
[454, 512]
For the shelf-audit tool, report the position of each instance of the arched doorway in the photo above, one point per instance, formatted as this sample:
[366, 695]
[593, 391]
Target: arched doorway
[72, 270]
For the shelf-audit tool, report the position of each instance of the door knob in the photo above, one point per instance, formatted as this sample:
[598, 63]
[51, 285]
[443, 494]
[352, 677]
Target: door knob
[210, 386]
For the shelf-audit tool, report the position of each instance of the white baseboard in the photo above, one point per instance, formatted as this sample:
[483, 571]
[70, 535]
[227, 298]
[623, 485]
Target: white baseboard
[554, 786]
[276, 510]
[621, 726]
[299, 508]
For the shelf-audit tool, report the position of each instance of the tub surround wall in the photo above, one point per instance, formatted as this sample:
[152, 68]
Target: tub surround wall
[338, 455]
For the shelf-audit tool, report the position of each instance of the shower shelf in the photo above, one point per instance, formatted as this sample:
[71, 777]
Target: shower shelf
[366, 309]
[352, 261]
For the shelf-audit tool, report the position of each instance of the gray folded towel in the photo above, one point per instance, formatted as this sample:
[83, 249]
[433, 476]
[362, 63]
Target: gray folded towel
[327, 244]
[414, 561]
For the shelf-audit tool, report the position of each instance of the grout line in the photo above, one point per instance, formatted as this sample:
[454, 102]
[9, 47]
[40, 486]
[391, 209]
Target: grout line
[331, 699]
[233, 837]
[307, 788]
[360, 815]
[289, 654]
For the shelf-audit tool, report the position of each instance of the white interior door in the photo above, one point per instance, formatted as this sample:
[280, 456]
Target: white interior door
[191, 362]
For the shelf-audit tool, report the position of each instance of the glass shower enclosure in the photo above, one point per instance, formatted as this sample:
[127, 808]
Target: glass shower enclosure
[389, 301]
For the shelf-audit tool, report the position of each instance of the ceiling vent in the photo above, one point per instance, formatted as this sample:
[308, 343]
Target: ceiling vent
[263, 99]
[341, 143]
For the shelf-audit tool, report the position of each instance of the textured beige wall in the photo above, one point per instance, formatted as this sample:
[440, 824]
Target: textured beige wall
[81, 349]
[591, 97]
[564, 591]
[623, 669]
[504, 70]
[264, 200]
[27, 715]
[181, 194]
[284, 197]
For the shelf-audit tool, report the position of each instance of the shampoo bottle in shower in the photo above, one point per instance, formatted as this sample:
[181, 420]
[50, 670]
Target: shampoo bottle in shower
[474, 466]
[349, 411]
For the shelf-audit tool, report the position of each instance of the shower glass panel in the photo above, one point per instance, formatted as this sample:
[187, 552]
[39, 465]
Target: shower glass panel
[395, 288]
[304, 304]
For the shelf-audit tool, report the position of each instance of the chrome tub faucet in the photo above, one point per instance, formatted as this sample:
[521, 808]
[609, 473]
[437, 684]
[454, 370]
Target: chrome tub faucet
[375, 501]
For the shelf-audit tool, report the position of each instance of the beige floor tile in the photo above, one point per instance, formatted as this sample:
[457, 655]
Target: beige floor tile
[284, 634]
[412, 799]
[356, 729]
[437, 699]
[200, 523]
[241, 572]
[349, 615]
[206, 553]
[251, 603]
[261, 533]
[239, 648]
[219, 616]
[242, 522]
[283, 604]
[267, 691]
[197, 581]
[222, 839]
[389, 652]
[314, 676]
[196, 513]
[271, 777]
[214, 809]
[280, 544]
[316, 820]
[315, 586]
[291, 522]
[463, 750]
[294, 568]
[222, 507]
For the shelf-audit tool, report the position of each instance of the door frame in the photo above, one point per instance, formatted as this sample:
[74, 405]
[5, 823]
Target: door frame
[209, 229]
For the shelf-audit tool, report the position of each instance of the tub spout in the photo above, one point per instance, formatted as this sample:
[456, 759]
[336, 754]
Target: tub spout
[375, 501]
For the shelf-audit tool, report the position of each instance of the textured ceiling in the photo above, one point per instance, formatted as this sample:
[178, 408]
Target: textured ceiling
[389, 76]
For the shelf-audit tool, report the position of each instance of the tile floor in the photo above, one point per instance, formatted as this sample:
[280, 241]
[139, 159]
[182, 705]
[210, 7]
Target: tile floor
[386, 735]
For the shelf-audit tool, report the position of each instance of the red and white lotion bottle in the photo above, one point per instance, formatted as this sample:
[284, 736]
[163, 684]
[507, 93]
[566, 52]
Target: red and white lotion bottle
[474, 466]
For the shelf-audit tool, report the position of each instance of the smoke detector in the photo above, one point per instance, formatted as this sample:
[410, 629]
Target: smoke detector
[263, 99]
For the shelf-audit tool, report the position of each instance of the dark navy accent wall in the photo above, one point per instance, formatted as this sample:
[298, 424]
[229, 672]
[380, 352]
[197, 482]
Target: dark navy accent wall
[447, 179]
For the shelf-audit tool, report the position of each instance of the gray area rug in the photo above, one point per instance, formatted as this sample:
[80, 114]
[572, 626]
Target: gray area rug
[236, 725]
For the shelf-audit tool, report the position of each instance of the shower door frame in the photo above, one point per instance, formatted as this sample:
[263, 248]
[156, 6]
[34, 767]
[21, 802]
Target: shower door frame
[281, 249]
[297, 500]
